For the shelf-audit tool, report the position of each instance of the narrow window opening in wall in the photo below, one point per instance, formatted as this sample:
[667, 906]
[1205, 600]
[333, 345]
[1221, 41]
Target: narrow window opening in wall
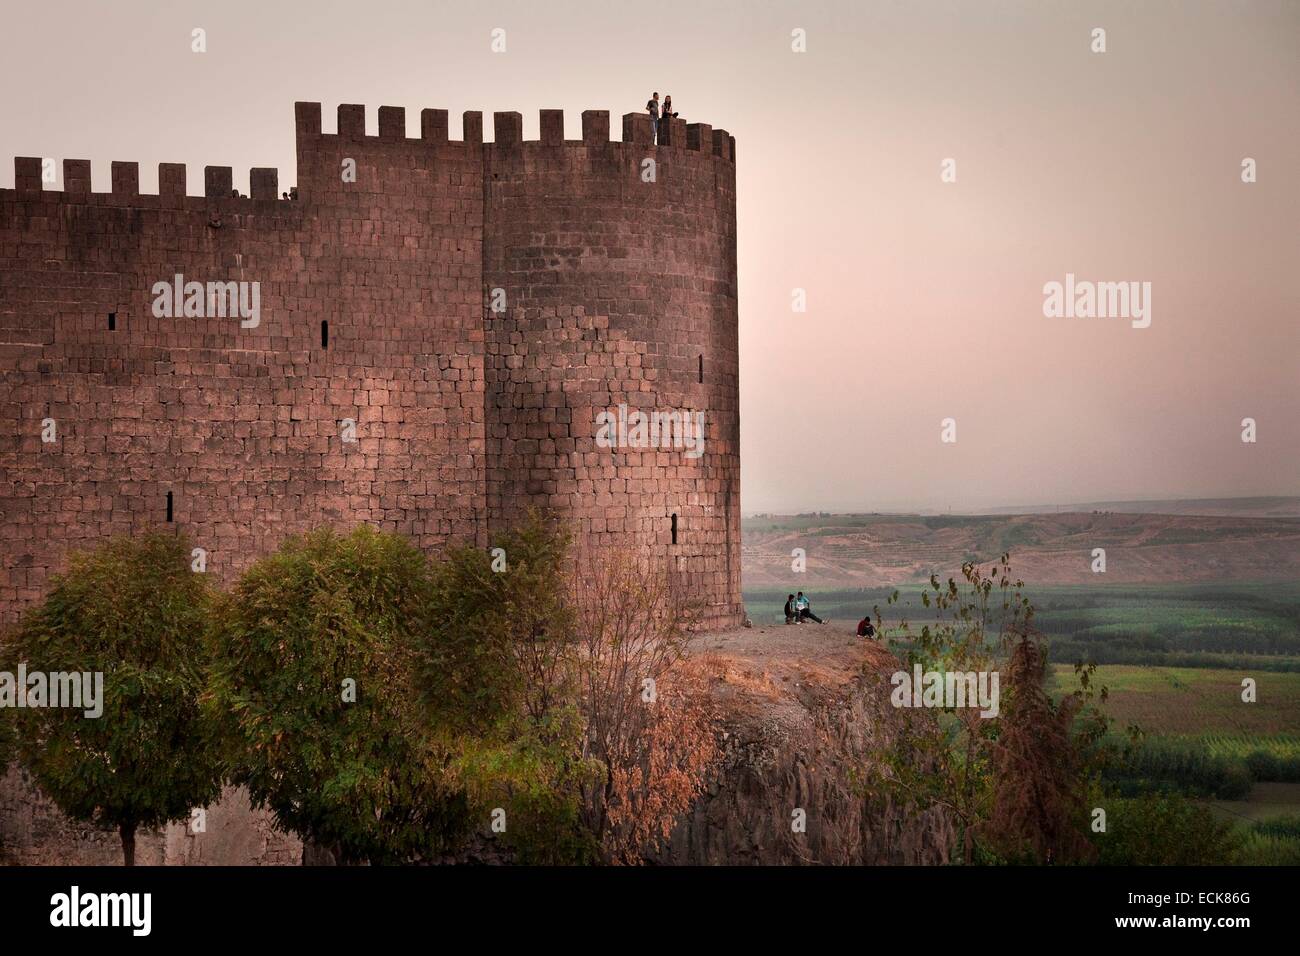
[674, 528]
[324, 333]
[701, 369]
[169, 506]
[112, 321]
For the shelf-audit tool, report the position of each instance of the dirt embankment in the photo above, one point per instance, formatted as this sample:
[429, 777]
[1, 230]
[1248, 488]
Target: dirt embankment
[799, 720]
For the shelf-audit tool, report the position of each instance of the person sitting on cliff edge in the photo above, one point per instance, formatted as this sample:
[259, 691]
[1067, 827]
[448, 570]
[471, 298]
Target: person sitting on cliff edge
[791, 615]
[805, 610]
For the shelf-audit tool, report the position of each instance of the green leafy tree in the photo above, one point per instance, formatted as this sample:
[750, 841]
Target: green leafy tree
[315, 673]
[498, 669]
[133, 611]
[501, 644]
[528, 775]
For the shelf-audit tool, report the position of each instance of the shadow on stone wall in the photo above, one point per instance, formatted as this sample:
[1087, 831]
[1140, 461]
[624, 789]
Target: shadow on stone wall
[34, 833]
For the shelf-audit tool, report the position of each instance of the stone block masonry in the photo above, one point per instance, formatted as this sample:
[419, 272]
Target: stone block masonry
[471, 307]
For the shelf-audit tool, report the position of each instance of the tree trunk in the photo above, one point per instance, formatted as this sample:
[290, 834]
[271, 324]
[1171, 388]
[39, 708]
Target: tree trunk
[318, 854]
[127, 832]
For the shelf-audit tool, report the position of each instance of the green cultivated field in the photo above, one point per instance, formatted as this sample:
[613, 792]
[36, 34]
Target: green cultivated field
[1254, 627]
[1251, 626]
[1202, 739]
[1202, 707]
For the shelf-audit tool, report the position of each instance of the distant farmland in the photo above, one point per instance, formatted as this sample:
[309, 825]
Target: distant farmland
[1202, 706]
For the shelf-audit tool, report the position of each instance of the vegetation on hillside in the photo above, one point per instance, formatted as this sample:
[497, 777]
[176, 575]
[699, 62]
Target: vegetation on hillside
[1013, 781]
[1049, 779]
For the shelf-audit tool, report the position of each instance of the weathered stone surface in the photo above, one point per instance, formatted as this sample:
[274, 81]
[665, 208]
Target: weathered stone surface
[34, 833]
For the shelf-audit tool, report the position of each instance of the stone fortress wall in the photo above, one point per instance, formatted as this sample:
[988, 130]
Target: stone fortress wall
[470, 306]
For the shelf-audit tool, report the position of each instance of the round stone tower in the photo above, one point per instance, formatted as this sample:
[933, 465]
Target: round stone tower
[610, 366]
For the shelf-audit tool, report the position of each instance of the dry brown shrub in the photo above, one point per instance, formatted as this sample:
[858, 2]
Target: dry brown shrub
[1037, 800]
[648, 712]
[658, 778]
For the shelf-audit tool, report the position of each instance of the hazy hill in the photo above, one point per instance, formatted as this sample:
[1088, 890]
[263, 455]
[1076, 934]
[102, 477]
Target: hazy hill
[1270, 507]
[873, 550]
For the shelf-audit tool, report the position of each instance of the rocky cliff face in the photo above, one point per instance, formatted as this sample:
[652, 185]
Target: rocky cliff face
[800, 720]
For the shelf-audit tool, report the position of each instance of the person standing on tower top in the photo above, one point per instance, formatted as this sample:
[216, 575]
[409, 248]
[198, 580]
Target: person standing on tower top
[652, 107]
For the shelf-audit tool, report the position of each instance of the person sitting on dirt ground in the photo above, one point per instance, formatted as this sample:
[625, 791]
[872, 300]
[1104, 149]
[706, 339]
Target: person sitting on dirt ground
[791, 616]
[866, 629]
[805, 610]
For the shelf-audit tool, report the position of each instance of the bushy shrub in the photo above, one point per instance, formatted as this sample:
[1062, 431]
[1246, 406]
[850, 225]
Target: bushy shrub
[527, 778]
[648, 714]
[1164, 830]
[1261, 849]
[1288, 825]
[1013, 784]
[1268, 767]
[1176, 768]
[1274, 842]
[1262, 765]
[544, 658]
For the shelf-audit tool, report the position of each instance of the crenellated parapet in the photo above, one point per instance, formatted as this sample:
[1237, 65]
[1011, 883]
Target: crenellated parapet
[507, 128]
[218, 183]
[264, 185]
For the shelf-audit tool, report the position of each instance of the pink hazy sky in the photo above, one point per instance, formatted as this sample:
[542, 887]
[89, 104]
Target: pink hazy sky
[925, 299]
